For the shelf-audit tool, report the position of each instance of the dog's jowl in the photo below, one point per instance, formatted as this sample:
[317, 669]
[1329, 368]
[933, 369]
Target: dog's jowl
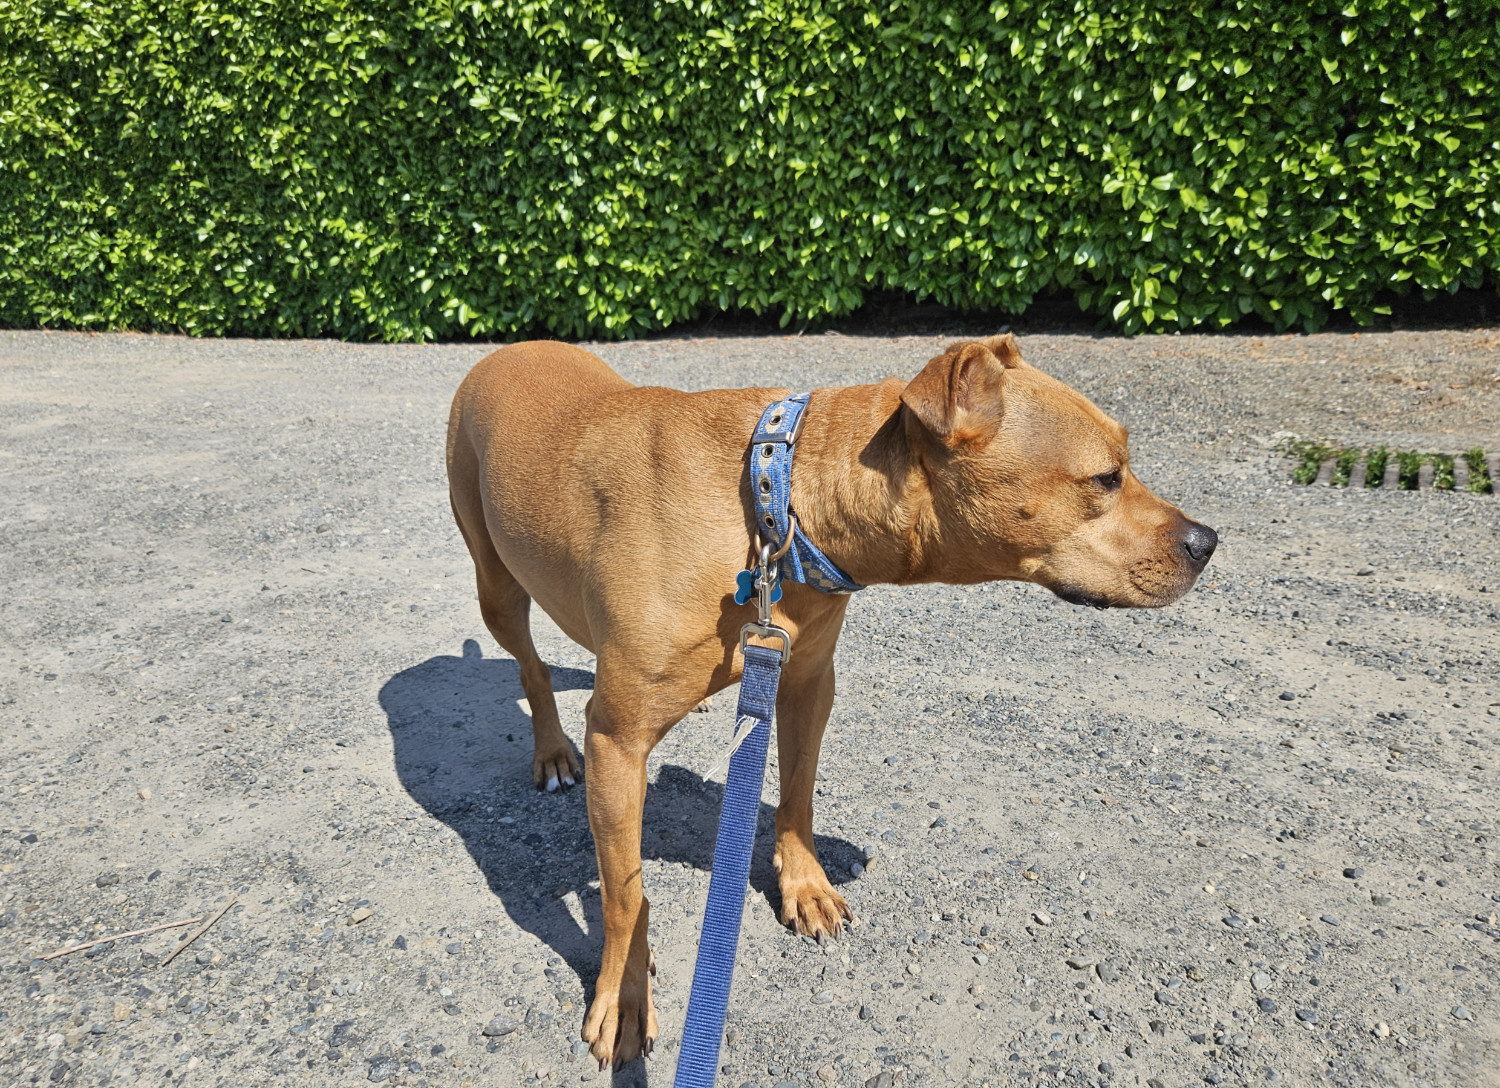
[625, 513]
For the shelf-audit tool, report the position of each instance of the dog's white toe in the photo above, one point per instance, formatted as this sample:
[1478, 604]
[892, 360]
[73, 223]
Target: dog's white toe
[552, 784]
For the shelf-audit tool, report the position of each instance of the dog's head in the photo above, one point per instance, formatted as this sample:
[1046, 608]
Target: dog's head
[1030, 481]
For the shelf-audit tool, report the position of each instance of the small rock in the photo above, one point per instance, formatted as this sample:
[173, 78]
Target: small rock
[941, 821]
[981, 959]
[97, 1028]
[865, 1013]
[880, 1080]
[454, 948]
[1267, 1006]
[1080, 963]
[205, 956]
[121, 1011]
[1108, 971]
[1461, 1013]
[913, 968]
[1378, 900]
[500, 1025]
[823, 997]
[144, 793]
[1308, 1016]
[1166, 997]
[1329, 919]
[107, 880]
[1153, 1082]
[1042, 918]
[399, 943]
[1353, 873]
[383, 1068]
[856, 870]
[1382, 1030]
[1029, 875]
[362, 914]
[826, 1074]
[1260, 980]
[1234, 921]
[1364, 572]
[1287, 696]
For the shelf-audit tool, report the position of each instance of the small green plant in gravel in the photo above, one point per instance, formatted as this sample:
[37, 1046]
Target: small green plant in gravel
[1343, 466]
[1442, 477]
[1410, 462]
[1309, 457]
[1375, 462]
[1479, 472]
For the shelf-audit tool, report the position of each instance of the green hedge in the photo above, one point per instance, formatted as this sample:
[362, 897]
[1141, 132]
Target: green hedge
[410, 170]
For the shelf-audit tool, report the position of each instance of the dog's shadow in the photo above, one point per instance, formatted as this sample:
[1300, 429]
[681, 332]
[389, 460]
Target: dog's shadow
[463, 752]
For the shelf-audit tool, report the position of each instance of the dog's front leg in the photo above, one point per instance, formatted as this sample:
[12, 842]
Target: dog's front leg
[808, 902]
[622, 1020]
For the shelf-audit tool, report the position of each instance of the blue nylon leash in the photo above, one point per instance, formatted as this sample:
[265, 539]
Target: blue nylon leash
[789, 554]
[708, 1004]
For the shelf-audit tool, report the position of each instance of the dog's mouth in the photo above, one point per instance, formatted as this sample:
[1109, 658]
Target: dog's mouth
[1077, 595]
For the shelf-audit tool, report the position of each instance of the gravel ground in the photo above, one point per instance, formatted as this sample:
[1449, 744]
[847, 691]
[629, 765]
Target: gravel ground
[1246, 839]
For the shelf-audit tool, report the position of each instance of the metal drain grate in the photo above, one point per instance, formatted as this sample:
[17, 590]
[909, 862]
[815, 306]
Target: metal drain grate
[1323, 464]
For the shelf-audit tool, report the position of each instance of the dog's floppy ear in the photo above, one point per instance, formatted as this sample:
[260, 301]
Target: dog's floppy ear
[957, 396]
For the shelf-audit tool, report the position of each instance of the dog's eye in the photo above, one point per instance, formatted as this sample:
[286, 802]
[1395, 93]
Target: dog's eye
[1109, 481]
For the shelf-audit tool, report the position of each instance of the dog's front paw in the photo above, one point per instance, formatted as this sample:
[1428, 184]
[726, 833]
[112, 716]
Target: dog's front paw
[808, 902]
[621, 1024]
[555, 765]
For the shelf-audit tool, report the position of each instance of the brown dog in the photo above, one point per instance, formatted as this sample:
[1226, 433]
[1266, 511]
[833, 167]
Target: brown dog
[626, 512]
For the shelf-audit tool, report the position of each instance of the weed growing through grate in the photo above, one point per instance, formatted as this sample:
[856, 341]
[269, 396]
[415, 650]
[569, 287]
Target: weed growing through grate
[1309, 457]
[1343, 467]
[1375, 462]
[1479, 472]
[1442, 477]
[1410, 468]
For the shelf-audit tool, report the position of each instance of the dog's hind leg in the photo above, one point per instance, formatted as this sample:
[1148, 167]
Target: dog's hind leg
[506, 609]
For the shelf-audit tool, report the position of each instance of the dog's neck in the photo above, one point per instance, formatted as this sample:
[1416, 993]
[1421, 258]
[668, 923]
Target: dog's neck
[859, 492]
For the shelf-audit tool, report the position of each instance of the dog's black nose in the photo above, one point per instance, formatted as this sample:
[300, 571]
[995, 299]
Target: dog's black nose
[1199, 542]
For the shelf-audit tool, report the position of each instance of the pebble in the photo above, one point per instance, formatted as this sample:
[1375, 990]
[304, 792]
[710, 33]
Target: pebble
[880, 1080]
[1354, 873]
[981, 959]
[1080, 963]
[1330, 919]
[865, 1013]
[455, 948]
[383, 1068]
[823, 997]
[362, 914]
[1042, 918]
[1287, 696]
[1308, 1016]
[1234, 921]
[399, 943]
[1166, 997]
[1461, 1013]
[913, 968]
[1260, 980]
[1108, 971]
[107, 880]
[826, 1074]
[500, 1025]
[144, 793]
[1267, 1006]
[1378, 900]
[1364, 572]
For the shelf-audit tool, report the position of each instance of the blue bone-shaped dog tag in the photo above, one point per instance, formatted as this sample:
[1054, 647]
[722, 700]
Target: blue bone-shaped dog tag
[744, 588]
